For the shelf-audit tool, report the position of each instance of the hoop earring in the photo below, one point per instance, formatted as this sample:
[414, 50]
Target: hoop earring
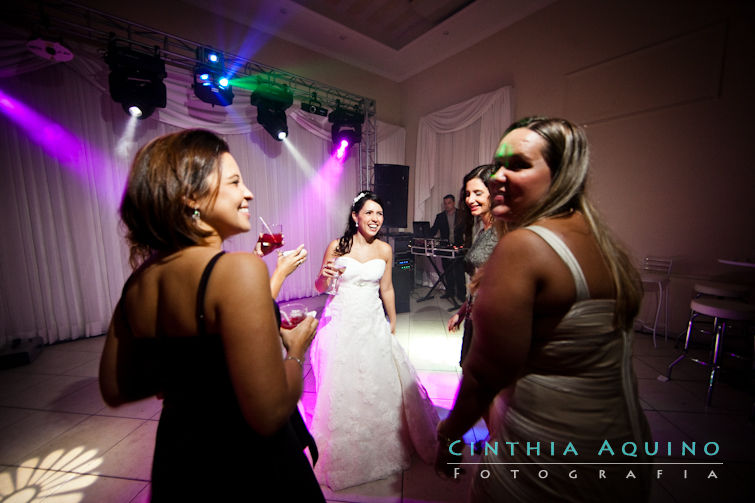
[195, 216]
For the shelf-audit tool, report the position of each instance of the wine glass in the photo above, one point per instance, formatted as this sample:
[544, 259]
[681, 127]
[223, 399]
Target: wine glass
[335, 280]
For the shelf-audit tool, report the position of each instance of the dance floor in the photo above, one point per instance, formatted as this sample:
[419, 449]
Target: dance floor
[60, 443]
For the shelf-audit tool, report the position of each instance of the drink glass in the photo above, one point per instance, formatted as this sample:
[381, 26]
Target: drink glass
[333, 282]
[271, 237]
[292, 315]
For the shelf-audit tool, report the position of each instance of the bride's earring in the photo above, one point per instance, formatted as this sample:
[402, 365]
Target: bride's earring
[195, 216]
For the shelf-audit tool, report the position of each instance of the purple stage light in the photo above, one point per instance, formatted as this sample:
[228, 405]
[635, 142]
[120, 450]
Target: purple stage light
[54, 139]
[342, 148]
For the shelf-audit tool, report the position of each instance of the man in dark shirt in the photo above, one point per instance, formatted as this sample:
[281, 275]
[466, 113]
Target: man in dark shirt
[447, 224]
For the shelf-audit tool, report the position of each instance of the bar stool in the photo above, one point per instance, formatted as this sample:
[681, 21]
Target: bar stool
[655, 277]
[718, 290]
[722, 311]
[721, 290]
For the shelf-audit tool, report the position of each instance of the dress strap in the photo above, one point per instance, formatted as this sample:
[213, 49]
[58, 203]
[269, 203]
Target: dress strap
[567, 256]
[201, 292]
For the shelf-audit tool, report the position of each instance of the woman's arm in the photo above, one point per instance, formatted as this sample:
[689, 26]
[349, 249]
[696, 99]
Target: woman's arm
[266, 386]
[386, 287]
[321, 283]
[502, 317]
[456, 320]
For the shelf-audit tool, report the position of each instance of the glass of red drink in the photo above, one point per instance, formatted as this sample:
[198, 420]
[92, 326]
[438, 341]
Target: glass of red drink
[292, 315]
[271, 237]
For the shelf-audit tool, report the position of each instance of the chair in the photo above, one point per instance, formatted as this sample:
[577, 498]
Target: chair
[655, 273]
[722, 311]
[718, 290]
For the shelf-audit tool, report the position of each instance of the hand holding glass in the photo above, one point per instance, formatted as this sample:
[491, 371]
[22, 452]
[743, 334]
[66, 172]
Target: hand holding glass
[292, 315]
[334, 280]
[271, 237]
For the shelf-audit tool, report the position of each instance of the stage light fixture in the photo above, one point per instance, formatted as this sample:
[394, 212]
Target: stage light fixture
[346, 129]
[271, 102]
[314, 107]
[49, 49]
[212, 87]
[211, 84]
[136, 80]
[210, 57]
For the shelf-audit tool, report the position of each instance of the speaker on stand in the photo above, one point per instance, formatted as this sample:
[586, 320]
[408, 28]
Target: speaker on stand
[392, 185]
[403, 279]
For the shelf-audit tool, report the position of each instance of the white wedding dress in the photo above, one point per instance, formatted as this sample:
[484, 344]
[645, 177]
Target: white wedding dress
[371, 411]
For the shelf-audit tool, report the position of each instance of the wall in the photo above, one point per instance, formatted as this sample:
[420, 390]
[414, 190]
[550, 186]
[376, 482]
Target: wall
[666, 92]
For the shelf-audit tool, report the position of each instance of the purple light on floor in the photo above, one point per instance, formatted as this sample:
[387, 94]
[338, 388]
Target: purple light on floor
[342, 148]
[51, 136]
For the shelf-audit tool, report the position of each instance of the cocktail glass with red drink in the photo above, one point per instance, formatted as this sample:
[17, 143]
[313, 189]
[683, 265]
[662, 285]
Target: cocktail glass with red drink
[271, 237]
[292, 315]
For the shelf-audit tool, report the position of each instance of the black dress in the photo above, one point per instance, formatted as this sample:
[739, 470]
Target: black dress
[205, 450]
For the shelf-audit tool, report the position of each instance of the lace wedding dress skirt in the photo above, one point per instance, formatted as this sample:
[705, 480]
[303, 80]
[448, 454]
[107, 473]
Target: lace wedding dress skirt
[371, 411]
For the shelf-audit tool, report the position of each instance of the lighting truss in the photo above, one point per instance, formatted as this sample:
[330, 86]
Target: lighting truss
[82, 23]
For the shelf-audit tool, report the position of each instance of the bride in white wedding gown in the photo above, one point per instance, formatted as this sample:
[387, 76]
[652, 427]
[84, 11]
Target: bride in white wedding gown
[371, 411]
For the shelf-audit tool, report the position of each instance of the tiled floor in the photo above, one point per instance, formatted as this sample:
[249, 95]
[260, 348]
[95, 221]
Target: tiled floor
[60, 443]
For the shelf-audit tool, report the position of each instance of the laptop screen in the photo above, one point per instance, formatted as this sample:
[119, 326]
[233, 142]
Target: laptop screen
[421, 229]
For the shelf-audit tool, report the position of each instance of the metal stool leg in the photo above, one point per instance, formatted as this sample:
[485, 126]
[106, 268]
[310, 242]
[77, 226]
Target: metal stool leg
[665, 316]
[720, 328]
[681, 357]
[659, 299]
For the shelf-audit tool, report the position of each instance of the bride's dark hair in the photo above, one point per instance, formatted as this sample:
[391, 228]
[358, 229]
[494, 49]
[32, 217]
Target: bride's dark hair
[344, 244]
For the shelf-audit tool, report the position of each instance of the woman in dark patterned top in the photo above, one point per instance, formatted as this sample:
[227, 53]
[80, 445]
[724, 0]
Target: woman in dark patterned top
[480, 238]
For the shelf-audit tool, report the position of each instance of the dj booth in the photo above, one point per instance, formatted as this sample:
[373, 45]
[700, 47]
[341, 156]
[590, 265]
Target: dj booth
[410, 247]
[440, 248]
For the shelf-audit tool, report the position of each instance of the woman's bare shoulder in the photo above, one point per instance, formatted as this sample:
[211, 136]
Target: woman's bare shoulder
[241, 264]
[384, 250]
[519, 240]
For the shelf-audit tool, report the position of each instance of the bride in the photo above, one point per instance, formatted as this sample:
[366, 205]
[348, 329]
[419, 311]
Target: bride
[371, 411]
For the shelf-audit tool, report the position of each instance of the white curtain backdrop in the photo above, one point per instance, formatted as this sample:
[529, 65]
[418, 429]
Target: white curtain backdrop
[454, 140]
[65, 148]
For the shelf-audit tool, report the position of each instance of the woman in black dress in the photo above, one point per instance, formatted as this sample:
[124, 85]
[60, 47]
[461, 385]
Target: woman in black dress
[198, 327]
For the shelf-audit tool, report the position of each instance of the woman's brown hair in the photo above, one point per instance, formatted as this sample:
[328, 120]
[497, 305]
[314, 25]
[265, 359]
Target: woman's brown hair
[165, 174]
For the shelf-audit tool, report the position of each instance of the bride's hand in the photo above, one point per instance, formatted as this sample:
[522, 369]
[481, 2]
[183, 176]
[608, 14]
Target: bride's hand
[329, 270]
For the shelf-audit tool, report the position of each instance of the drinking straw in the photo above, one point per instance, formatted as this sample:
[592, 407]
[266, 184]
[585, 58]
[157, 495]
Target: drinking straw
[266, 226]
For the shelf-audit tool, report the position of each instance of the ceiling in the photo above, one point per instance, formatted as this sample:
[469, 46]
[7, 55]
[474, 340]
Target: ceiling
[394, 23]
[392, 38]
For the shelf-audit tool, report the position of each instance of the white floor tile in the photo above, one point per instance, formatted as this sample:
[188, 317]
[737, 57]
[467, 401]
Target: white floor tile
[51, 412]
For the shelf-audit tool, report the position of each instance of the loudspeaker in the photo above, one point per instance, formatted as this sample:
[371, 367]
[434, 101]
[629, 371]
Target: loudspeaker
[400, 242]
[392, 185]
[403, 278]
